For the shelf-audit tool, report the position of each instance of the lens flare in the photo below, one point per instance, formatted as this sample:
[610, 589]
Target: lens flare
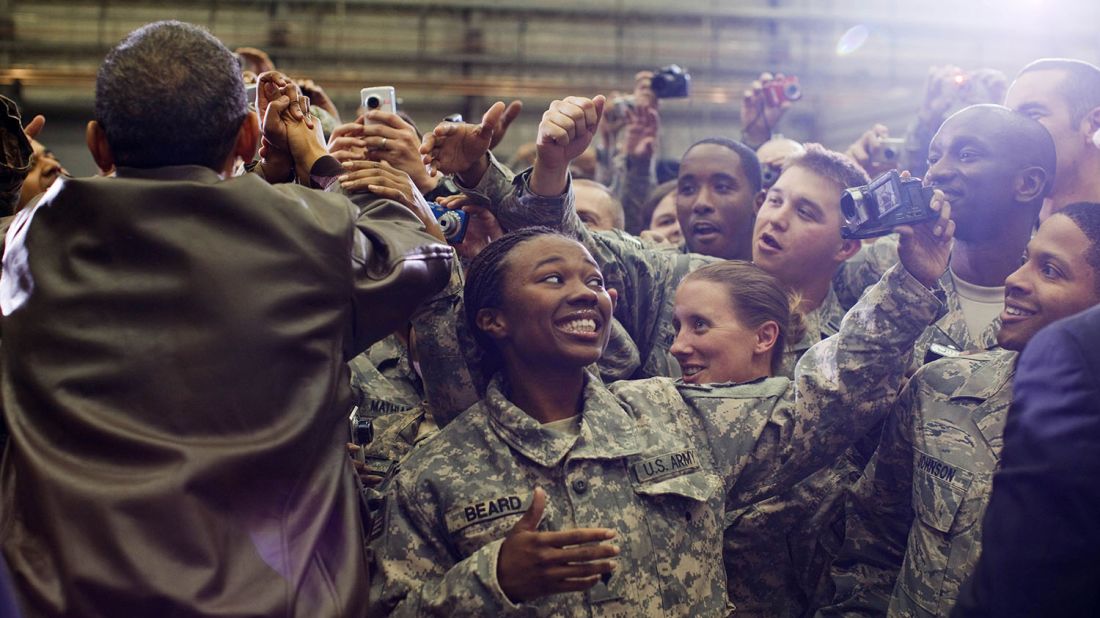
[852, 40]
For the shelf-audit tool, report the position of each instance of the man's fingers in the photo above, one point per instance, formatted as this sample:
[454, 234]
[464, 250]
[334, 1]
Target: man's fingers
[34, 127]
[492, 117]
[563, 121]
[341, 143]
[511, 113]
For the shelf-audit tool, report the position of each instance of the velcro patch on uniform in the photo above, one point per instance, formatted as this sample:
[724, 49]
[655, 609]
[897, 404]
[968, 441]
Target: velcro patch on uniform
[941, 470]
[943, 351]
[666, 466]
[379, 466]
[477, 512]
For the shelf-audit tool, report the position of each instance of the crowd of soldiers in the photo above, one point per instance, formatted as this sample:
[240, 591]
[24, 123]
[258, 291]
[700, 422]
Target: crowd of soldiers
[622, 398]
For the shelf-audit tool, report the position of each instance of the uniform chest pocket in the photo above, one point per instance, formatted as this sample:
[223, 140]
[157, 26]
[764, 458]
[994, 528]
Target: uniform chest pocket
[939, 489]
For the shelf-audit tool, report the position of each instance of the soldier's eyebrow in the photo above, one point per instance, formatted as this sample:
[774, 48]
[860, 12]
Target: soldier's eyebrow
[548, 260]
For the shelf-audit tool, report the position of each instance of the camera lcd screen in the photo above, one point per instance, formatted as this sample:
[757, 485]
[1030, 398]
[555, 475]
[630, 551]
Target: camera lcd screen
[886, 197]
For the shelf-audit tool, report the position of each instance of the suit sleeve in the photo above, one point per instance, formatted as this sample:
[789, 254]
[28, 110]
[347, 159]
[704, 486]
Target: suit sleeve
[1040, 534]
[395, 264]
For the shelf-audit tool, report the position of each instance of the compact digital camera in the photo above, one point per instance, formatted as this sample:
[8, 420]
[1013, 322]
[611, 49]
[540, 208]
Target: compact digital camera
[379, 97]
[785, 89]
[888, 151]
[618, 108]
[889, 201]
[671, 82]
[453, 223]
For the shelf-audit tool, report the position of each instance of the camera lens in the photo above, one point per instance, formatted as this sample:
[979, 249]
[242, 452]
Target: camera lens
[848, 205]
[374, 101]
[792, 92]
[450, 224]
[889, 154]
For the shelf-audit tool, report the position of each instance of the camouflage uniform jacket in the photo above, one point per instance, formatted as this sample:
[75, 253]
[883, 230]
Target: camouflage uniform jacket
[948, 337]
[777, 552]
[658, 461]
[920, 504]
[384, 380]
[645, 277]
[820, 323]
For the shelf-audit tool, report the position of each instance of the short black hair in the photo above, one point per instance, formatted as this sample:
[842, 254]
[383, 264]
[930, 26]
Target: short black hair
[750, 165]
[1086, 216]
[170, 94]
[1080, 87]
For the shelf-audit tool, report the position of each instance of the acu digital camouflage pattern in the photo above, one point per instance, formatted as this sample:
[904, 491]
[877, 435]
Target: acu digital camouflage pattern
[660, 462]
[919, 507]
[383, 379]
[949, 336]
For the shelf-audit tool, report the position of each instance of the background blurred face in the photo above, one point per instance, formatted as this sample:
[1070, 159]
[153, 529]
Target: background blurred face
[556, 311]
[712, 343]
[975, 171]
[594, 206]
[797, 234]
[1036, 94]
[664, 220]
[1054, 282]
[45, 169]
[714, 202]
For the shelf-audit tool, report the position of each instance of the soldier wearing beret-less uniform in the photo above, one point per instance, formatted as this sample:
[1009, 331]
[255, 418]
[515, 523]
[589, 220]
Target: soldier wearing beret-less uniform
[914, 526]
[614, 497]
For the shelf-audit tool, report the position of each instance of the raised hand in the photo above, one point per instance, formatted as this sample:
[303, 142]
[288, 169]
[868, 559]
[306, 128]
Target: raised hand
[758, 115]
[863, 148]
[460, 148]
[384, 180]
[566, 130]
[535, 564]
[925, 248]
[482, 227]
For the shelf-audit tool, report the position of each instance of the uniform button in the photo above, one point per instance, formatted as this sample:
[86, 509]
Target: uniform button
[580, 486]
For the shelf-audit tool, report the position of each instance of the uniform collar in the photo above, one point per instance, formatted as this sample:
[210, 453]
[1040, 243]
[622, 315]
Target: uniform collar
[953, 324]
[988, 379]
[821, 322]
[607, 431]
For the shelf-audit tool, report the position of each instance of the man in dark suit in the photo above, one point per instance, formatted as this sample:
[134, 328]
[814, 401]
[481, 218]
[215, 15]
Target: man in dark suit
[1041, 539]
[174, 350]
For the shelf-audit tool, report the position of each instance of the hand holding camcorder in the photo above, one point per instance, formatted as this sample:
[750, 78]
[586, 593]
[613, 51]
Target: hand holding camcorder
[889, 201]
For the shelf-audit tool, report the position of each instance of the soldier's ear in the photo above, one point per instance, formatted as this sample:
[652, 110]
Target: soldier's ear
[1030, 184]
[848, 248]
[766, 336]
[492, 322]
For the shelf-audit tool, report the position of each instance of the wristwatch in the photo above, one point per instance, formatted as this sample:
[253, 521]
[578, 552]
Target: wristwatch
[445, 188]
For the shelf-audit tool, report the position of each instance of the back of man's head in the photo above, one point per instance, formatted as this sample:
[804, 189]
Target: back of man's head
[1079, 87]
[170, 94]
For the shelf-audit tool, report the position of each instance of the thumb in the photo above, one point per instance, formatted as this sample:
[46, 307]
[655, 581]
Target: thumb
[601, 102]
[34, 127]
[492, 116]
[531, 518]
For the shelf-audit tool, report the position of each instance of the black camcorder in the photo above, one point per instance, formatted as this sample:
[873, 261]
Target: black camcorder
[889, 201]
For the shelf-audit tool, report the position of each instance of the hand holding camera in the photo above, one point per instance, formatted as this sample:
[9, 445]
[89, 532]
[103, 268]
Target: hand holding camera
[763, 105]
[481, 227]
[925, 248]
[389, 138]
[875, 151]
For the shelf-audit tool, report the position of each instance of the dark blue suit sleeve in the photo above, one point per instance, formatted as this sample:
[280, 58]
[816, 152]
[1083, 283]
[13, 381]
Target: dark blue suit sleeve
[1041, 536]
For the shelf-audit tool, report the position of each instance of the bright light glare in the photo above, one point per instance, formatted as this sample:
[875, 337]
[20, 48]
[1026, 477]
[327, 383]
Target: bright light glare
[852, 40]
